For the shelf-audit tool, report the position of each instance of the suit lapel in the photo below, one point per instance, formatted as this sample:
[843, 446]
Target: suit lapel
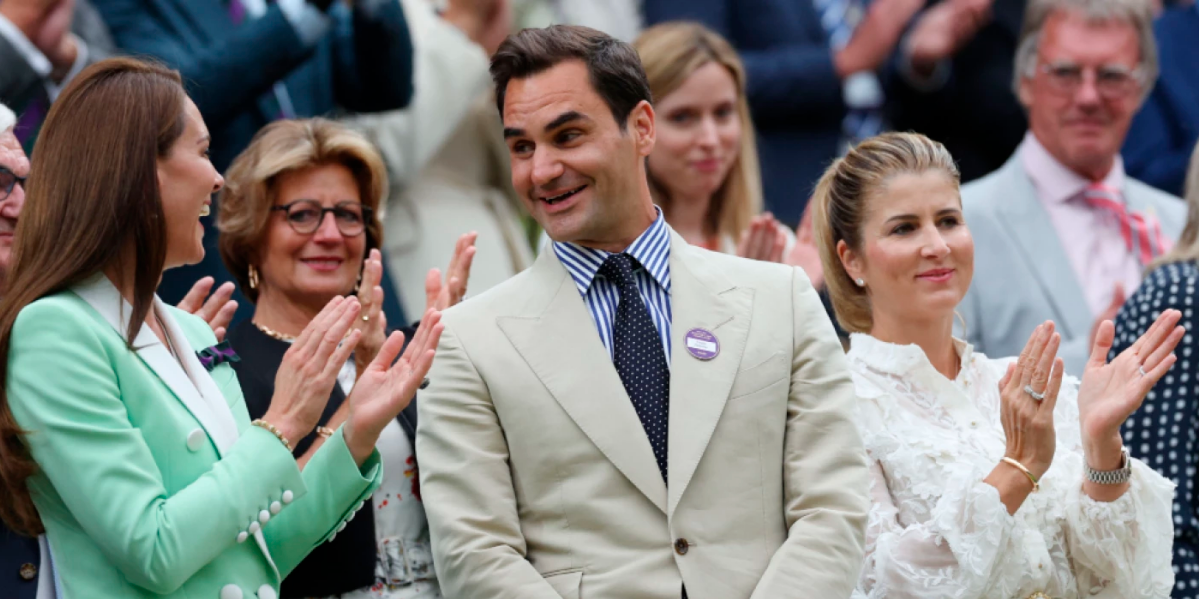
[699, 388]
[220, 427]
[1027, 221]
[561, 346]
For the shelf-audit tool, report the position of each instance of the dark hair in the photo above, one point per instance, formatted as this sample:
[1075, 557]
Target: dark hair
[93, 202]
[614, 66]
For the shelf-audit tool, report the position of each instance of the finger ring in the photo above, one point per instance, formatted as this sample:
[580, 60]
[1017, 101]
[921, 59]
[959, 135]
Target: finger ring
[424, 383]
[1141, 370]
[366, 318]
[1037, 396]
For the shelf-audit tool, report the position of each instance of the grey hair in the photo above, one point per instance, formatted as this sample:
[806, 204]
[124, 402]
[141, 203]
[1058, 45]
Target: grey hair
[8, 119]
[1137, 13]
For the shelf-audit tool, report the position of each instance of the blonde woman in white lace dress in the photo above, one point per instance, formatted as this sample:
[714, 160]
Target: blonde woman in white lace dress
[980, 489]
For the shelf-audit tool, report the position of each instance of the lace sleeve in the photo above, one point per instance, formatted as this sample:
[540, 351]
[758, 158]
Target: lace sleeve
[1123, 546]
[955, 553]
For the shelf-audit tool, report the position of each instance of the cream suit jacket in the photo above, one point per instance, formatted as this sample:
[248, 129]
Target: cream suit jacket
[539, 480]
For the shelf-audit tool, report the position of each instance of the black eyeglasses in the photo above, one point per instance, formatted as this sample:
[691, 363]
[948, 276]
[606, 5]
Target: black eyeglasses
[306, 216]
[8, 181]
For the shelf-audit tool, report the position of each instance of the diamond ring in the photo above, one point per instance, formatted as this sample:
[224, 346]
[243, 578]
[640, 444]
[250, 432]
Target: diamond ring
[1141, 370]
[1032, 392]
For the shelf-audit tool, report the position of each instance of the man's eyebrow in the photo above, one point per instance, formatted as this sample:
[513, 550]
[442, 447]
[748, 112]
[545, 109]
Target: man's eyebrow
[564, 118]
[513, 132]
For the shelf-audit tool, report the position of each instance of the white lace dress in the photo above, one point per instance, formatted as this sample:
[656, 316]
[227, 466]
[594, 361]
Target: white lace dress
[936, 530]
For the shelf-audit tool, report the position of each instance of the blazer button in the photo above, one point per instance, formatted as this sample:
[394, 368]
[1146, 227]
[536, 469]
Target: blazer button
[266, 591]
[195, 440]
[231, 591]
[28, 571]
[681, 545]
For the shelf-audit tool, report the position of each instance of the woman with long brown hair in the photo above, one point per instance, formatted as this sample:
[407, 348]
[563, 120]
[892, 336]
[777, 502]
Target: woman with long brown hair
[123, 431]
[704, 171]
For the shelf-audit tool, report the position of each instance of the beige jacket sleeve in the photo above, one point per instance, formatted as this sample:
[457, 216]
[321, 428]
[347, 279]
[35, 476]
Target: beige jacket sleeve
[466, 487]
[825, 472]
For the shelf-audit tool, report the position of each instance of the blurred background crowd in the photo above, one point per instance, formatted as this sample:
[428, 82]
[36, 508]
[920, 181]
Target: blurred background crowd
[754, 100]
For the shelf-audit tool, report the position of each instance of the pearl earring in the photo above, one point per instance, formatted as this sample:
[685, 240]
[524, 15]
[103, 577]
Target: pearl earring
[860, 282]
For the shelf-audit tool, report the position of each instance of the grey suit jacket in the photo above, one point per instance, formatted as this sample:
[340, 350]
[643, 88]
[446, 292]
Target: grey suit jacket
[19, 83]
[1022, 276]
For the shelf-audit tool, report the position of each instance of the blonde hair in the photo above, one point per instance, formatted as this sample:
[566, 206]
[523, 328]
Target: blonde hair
[1187, 248]
[670, 53]
[284, 147]
[840, 205]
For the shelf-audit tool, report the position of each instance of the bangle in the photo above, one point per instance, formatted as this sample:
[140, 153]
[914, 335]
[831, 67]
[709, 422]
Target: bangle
[274, 431]
[1035, 485]
[324, 432]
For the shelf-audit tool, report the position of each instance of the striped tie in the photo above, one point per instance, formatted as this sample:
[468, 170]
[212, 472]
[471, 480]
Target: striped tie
[31, 120]
[1142, 233]
[839, 19]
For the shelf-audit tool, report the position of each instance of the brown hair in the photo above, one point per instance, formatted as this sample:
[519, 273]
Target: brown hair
[1187, 248]
[93, 203]
[615, 69]
[279, 148]
[840, 205]
[670, 53]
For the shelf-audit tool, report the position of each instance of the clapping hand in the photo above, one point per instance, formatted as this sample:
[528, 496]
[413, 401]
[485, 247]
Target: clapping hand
[764, 239]
[217, 310]
[373, 322]
[1111, 392]
[440, 294]
[1028, 395]
[385, 388]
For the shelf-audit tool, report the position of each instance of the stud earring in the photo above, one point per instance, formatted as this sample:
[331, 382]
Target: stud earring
[253, 277]
[860, 282]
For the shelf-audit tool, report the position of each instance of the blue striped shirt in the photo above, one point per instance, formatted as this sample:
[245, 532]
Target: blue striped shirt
[652, 251]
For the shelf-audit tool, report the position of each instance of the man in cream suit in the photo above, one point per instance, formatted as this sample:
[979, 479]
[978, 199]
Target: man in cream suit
[1061, 232]
[632, 416]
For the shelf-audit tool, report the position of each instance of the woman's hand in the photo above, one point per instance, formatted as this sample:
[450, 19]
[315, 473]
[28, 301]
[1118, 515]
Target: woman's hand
[440, 295]
[217, 310]
[1027, 421]
[373, 322]
[804, 253]
[1110, 393]
[309, 369]
[385, 389]
[763, 240]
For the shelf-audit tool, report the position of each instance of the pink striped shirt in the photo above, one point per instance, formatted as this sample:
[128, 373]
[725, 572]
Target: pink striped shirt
[1090, 236]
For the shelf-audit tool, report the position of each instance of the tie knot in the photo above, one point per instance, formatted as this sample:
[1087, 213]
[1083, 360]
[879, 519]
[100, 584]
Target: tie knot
[618, 268]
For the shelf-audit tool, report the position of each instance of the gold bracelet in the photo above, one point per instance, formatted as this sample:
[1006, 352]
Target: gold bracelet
[274, 431]
[324, 432]
[1036, 486]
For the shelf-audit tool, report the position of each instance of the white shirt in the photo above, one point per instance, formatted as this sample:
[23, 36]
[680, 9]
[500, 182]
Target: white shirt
[936, 530]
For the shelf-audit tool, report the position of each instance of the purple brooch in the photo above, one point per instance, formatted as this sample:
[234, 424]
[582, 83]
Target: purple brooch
[214, 356]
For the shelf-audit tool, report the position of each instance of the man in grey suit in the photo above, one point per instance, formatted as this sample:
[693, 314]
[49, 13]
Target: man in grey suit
[43, 44]
[1062, 232]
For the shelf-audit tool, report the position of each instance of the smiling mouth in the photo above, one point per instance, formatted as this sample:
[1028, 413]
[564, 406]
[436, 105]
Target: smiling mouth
[205, 210]
[559, 198]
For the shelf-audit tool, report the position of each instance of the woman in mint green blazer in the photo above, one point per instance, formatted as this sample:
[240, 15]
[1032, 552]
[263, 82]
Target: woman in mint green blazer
[123, 432]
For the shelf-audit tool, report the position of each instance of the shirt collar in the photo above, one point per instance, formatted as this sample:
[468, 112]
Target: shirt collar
[1054, 181]
[901, 360]
[651, 249]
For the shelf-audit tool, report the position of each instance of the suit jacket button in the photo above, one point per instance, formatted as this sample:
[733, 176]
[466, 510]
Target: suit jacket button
[195, 440]
[28, 571]
[231, 591]
[681, 545]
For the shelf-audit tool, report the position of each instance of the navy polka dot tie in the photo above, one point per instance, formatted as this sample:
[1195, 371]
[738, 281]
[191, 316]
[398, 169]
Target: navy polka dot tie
[638, 355]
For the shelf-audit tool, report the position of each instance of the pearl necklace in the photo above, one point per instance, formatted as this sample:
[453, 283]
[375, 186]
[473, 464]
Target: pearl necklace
[273, 334]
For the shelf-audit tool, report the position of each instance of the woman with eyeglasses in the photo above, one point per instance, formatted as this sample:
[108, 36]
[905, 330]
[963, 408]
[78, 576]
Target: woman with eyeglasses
[299, 225]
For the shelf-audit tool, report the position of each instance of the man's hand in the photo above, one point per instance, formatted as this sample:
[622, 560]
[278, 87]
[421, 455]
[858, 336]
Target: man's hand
[876, 36]
[485, 22]
[47, 25]
[943, 29]
[217, 311]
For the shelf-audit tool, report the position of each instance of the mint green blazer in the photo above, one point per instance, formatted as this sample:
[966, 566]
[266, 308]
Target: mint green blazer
[151, 481]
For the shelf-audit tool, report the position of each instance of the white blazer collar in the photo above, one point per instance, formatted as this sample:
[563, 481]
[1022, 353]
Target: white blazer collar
[191, 383]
